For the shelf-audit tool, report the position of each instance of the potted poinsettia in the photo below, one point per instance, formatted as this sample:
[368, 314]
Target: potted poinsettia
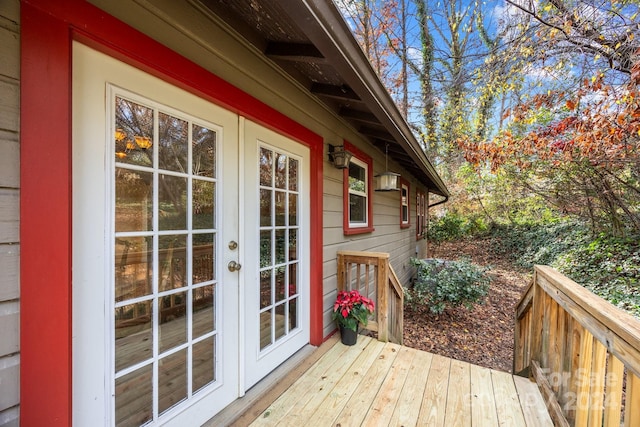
[349, 310]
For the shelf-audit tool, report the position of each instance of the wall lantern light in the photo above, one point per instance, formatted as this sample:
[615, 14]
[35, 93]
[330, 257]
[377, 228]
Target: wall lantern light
[339, 156]
[387, 181]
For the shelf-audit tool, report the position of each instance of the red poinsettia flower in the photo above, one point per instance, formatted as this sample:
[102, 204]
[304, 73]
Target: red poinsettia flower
[351, 308]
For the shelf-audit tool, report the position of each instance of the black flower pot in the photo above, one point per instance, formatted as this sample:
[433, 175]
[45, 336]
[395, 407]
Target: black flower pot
[348, 336]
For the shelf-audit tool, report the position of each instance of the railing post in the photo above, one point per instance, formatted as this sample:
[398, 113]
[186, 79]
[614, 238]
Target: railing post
[382, 281]
[340, 273]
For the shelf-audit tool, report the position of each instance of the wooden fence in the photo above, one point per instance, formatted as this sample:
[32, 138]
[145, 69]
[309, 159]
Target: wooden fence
[583, 352]
[371, 274]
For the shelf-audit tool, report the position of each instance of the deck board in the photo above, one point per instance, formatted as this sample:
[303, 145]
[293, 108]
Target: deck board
[375, 383]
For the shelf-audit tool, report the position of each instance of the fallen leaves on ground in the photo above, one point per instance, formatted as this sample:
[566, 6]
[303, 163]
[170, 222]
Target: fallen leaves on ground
[483, 335]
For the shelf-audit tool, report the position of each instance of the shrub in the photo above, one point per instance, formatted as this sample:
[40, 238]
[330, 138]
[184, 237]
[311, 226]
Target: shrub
[609, 267]
[443, 284]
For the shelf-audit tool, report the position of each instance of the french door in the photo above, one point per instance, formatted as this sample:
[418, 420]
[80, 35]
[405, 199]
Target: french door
[170, 258]
[276, 310]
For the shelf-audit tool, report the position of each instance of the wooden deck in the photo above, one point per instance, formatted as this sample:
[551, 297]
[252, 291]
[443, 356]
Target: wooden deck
[384, 384]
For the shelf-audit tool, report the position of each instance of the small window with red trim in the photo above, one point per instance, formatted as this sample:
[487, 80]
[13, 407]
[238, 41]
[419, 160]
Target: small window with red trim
[421, 214]
[405, 217]
[357, 184]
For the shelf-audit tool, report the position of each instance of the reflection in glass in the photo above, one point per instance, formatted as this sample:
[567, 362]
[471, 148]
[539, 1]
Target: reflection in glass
[172, 380]
[203, 258]
[280, 321]
[357, 177]
[293, 244]
[133, 334]
[204, 151]
[173, 321]
[134, 133]
[265, 329]
[265, 208]
[172, 262]
[293, 314]
[203, 310]
[172, 196]
[293, 209]
[203, 363]
[293, 279]
[133, 266]
[281, 206]
[173, 136]
[203, 205]
[293, 175]
[265, 288]
[281, 246]
[280, 284]
[357, 208]
[266, 167]
[281, 171]
[265, 248]
[134, 398]
[134, 200]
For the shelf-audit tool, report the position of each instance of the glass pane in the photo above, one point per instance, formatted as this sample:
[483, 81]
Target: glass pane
[405, 213]
[265, 248]
[281, 246]
[173, 136]
[281, 171]
[203, 204]
[172, 262]
[134, 133]
[293, 209]
[266, 167]
[203, 258]
[203, 364]
[280, 321]
[172, 197]
[134, 398]
[265, 329]
[293, 244]
[204, 152]
[173, 321]
[293, 175]
[281, 207]
[293, 314]
[133, 334]
[265, 288]
[280, 284]
[133, 267]
[357, 177]
[172, 380]
[293, 279]
[357, 208]
[265, 208]
[134, 200]
[203, 310]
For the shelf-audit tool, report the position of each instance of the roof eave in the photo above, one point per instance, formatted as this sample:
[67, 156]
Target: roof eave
[327, 30]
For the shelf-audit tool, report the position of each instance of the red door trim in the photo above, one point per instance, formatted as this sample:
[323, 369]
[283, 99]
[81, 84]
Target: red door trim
[47, 30]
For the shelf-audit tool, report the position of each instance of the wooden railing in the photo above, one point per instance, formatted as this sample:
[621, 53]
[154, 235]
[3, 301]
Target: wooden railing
[583, 352]
[371, 274]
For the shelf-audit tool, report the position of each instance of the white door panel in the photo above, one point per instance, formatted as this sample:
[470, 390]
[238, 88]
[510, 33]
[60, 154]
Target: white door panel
[155, 310]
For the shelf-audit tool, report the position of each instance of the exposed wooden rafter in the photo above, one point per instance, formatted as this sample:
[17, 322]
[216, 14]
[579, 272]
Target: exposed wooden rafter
[294, 52]
[360, 116]
[343, 92]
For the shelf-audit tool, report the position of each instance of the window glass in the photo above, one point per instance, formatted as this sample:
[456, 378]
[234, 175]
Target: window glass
[404, 203]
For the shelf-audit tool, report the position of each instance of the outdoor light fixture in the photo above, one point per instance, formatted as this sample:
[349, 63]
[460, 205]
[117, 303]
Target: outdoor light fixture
[387, 181]
[339, 156]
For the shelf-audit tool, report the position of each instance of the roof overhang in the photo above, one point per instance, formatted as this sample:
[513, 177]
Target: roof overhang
[311, 42]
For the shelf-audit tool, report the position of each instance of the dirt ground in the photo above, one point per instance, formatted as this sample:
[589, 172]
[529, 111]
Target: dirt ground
[483, 335]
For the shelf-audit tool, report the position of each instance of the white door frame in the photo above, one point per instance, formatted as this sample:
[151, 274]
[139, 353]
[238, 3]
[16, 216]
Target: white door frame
[93, 265]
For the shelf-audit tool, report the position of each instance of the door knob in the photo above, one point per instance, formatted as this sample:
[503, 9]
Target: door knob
[234, 266]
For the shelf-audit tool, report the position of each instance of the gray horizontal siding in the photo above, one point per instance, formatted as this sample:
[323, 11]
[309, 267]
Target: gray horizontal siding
[9, 213]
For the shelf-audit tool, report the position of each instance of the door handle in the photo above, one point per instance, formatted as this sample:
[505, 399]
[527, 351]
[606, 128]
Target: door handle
[234, 266]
